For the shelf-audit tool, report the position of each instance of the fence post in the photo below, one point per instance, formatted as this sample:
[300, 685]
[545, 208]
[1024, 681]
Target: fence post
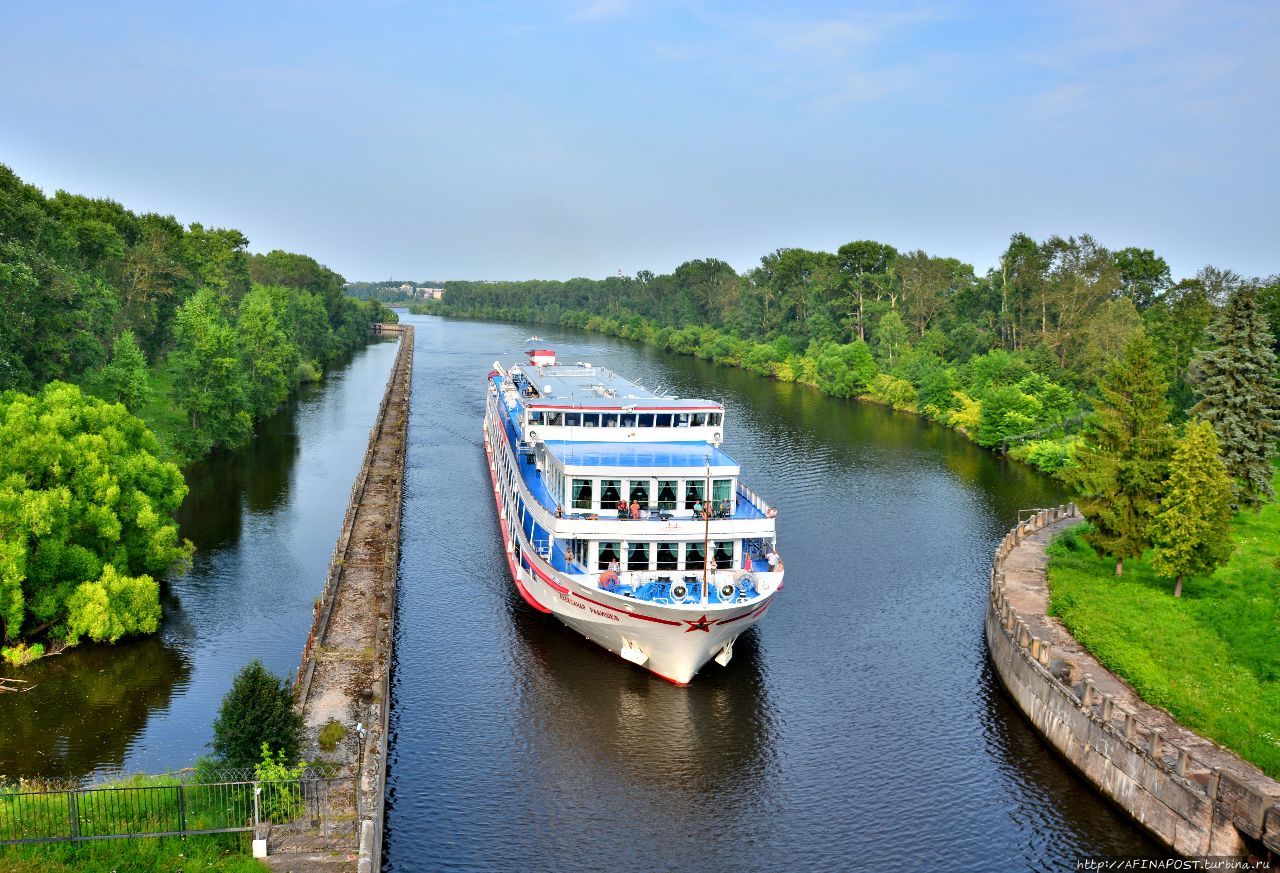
[75, 815]
[182, 810]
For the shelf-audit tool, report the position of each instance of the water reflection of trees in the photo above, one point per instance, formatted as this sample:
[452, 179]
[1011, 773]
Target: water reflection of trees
[87, 706]
[255, 477]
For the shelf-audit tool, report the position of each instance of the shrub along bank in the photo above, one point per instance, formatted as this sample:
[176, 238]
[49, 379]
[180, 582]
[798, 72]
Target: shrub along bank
[1210, 657]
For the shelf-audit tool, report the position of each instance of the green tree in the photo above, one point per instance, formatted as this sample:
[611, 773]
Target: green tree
[857, 265]
[207, 382]
[1192, 533]
[257, 710]
[124, 378]
[1143, 275]
[891, 337]
[85, 524]
[1105, 334]
[1177, 323]
[845, 370]
[1239, 396]
[1006, 412]
[267, 352]
[1122, 461]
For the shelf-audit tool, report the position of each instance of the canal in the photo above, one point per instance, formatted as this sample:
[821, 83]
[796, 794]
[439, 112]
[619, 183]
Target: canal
[858, 727]
[264, 521]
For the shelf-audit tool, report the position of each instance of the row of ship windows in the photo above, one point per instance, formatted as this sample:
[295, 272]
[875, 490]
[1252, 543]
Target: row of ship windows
[650, 493]
[625, 419]
[657, 556]
[672, 556]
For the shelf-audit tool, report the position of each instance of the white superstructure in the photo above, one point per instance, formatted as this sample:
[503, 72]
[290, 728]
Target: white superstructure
[622, 516]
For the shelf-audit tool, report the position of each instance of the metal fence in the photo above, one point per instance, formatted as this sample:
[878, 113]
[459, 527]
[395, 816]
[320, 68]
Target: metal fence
[302, 815]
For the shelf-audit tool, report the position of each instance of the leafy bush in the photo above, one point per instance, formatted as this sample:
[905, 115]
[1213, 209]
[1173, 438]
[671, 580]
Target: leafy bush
[996, 367]
[898, 393]
[1047, 455]
[21, 654]
[281, 800]
[966, 415]
[937, 393]
[845, 370]
[257, 711]
[88, 505]
[331, 734]
[309, 371]
[1006, 412]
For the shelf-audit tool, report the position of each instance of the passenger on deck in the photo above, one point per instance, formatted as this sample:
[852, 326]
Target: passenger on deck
[711, 563]
[698, 510]
[615, 566]
[623, 509]
[775, 560]
[559, 511]
[635, 510]
[726, 508]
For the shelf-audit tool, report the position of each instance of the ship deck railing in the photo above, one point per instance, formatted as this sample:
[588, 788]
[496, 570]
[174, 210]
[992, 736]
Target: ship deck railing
[655, 586]
[748, 505]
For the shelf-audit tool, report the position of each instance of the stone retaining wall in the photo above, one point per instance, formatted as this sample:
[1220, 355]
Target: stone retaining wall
[345, 672]
[1194, 796]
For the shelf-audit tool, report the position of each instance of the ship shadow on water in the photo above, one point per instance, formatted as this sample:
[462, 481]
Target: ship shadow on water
[693, 741]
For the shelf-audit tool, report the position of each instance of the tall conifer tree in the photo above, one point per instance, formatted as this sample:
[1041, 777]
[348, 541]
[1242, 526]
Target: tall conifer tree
[1193, 529]
[1124, 458]
[1236, 382]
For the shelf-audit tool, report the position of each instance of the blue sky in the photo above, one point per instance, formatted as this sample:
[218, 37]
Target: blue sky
[518, 140]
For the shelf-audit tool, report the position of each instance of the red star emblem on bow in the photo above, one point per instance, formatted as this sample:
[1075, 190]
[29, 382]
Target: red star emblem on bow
[701, 624]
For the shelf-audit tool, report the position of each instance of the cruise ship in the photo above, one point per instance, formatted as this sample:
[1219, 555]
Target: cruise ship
[623, 517]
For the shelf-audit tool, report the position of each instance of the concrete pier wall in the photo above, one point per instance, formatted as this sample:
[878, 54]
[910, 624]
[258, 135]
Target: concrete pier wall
[1194, 796]
[345, 672]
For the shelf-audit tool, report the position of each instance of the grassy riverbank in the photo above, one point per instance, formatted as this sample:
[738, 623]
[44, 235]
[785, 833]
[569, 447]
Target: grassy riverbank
[225, 853]
[1212, 657]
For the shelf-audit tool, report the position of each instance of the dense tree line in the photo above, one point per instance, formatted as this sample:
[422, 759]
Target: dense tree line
[93, 293]
[1010, 357]
[129, 342]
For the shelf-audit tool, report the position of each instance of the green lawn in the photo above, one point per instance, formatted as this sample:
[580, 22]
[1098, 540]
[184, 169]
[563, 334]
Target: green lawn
[1211, 658]
[225, 853]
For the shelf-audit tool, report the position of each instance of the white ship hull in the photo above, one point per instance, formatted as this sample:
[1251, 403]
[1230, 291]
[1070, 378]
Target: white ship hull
[674, 642]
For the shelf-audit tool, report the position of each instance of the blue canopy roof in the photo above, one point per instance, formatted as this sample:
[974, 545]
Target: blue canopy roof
[628, 454]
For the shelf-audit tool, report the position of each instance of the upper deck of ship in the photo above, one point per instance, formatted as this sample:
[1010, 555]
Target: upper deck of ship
[582, 386]
[582, 403]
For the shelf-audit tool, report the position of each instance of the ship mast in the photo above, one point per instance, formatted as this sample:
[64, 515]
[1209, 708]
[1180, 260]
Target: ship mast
[706, 531]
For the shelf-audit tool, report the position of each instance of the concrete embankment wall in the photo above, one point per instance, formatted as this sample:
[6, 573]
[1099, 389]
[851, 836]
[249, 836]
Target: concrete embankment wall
[1194, 796]
[345, 672]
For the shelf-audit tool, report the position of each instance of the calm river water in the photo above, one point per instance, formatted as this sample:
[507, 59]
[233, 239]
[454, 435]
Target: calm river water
[264, 521]
[858, 727]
